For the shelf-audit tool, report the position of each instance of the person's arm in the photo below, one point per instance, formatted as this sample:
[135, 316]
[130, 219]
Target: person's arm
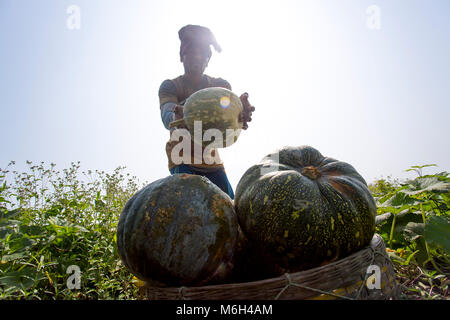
[167, 101]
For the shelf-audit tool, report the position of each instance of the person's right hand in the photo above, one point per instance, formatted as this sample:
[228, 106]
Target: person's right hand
[178, 112]
[246, 115]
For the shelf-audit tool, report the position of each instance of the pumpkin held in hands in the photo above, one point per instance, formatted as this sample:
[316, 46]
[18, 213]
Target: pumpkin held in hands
[300, 209]
[212, 117]
[180, 230]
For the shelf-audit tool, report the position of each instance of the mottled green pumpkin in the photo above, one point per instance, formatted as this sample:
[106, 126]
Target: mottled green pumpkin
[300, 210]
[180, 230]
[217, 110]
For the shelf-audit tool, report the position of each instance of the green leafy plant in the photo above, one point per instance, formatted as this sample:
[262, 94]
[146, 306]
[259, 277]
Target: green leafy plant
[413, 218]
[50, 220]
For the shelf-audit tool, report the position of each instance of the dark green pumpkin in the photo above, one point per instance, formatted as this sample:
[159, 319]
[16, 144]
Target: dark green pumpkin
[180, 230]
[300, 209]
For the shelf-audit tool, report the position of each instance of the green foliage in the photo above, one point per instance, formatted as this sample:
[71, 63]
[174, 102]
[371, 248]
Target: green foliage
[413, 218]
[50, 220]
[383, 186]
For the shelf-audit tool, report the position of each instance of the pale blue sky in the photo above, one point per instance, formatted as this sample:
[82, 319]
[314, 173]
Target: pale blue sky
[377, 99]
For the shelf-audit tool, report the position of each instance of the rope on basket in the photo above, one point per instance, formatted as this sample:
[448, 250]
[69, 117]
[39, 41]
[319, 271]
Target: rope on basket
[181, 294]
[290, 283]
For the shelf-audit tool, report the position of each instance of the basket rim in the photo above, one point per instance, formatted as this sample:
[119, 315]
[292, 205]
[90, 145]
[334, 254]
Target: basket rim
[375, 243]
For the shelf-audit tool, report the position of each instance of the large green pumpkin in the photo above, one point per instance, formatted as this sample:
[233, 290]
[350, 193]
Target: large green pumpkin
[180, 230]
[217, 110]
[300, 210]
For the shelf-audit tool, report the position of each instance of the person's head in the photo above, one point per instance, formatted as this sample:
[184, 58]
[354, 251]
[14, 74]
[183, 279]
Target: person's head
[195, 50]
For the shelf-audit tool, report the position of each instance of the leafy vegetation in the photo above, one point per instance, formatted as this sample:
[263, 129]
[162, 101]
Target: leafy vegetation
[50, 220]
[413, 219]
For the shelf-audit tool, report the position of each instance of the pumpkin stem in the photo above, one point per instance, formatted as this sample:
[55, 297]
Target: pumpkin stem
[311, 172]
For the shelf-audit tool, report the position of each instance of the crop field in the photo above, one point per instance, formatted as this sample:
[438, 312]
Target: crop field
[54, 224]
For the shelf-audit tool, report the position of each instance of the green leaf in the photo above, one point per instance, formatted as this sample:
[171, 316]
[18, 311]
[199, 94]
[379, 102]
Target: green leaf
[399, 199]
[14, 256]
[422, 255]
[437, 232]
[430, 183]
[9, 222]
[52, 212]
[388, 196]
[32, 230]
[3, 199]
[394, 256]
[400, 210]
[99, 204]
[73, 204]
[80, 228]
[379, 219]
[10, 214]
[410, 256]
[446, 197]
[413, 168]
[402, 220]
[413, 231]
[5, 231]
[21, 243]
[23, 279]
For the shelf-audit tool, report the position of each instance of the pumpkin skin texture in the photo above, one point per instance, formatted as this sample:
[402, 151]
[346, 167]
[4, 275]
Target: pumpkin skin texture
[180, 230]
[300, 210]
[216, 108]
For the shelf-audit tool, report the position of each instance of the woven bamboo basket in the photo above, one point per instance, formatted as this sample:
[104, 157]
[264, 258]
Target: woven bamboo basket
[347, 278]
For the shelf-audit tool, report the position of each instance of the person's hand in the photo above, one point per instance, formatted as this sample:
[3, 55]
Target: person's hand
[246, 115]
[179, 115]
[178, 110]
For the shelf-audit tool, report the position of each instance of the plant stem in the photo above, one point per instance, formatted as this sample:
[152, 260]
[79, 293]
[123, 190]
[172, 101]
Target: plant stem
[426, 244]
[392, 230]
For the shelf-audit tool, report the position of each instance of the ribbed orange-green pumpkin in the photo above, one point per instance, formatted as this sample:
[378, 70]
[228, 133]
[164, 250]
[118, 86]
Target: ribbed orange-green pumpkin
[300, 210]
[180, 230]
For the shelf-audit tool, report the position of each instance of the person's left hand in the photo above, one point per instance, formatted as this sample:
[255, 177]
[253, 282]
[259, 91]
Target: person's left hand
[178, 110]
[246, 115]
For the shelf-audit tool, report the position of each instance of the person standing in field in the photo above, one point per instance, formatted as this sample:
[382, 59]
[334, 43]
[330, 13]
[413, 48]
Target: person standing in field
[195, 53]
